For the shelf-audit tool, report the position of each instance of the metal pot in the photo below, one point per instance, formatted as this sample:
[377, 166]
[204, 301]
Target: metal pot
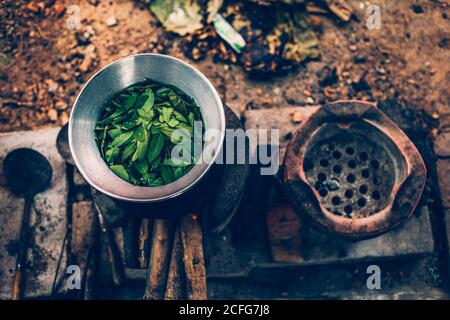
[117, 76]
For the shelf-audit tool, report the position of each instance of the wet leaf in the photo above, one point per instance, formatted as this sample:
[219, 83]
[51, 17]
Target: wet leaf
[136, 136]
[167, 174]
[120, 171]
[122, 138]
[128, 151]
[155, 147]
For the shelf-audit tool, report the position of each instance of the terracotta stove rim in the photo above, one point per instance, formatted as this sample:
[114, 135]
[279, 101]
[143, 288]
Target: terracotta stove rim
[386, 218]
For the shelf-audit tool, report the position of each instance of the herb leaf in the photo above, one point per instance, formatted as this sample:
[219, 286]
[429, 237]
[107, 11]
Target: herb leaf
[139, 128]
[120, 171]
[155, 147]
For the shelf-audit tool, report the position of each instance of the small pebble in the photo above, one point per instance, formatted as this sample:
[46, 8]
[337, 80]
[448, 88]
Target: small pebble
[52, 114]
[111, 21]
[310, 100]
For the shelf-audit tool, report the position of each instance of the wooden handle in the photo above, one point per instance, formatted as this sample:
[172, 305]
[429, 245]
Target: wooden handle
[175, 289]
[193, 258]
[159, 260]
[17, 286]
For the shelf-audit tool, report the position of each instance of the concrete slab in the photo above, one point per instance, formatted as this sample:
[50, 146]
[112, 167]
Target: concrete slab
[413, 238]
[227, 259]
[48, 217]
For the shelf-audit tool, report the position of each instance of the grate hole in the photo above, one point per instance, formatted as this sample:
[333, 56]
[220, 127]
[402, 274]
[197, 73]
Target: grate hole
[348, 193]
[348, 209]
[324, 162]
[318, 186]
[362, 202]
[351, 164]
[323, 192]
[375, 164]
[336, 154]
[363, 189]
[377, 180]
[376, 195]
[337, 169]
[351, 178]
[349, 150]
[322, 177]
[365, 173]
[363, 156]
[336, 200]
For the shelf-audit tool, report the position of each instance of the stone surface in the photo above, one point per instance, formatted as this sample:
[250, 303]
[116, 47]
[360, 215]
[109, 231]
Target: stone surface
[414, 237]
[48, 218]
[285, 119]
[228, 260]
[443, 172]
[442, 145]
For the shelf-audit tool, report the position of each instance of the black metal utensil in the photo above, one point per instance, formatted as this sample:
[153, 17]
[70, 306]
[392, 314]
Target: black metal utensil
[62, 144]
[27, 173]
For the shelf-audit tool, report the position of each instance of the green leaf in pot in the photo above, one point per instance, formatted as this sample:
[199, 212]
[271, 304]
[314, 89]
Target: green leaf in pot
[135, 134]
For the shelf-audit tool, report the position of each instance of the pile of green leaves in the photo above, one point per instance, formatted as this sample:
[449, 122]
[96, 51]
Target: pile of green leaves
[134, 134]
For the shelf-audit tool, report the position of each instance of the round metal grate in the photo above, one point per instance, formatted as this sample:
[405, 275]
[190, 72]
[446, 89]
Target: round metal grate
[353, 175]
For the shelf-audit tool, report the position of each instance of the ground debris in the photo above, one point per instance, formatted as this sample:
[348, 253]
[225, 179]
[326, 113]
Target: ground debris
[278, 35]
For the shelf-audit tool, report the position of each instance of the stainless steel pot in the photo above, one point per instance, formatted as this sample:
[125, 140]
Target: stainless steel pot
[117, 76]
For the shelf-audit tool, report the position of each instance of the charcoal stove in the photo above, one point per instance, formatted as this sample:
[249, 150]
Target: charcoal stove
[350, 171]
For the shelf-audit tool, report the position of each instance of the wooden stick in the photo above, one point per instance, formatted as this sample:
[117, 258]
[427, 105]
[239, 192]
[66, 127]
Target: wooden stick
[193, 258]
[88, 292]
[175, 289]
[159, 259]
[112, 251]
[144, 243]
[131, 242]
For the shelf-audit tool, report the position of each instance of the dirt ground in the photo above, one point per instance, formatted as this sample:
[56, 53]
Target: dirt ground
[44, 64]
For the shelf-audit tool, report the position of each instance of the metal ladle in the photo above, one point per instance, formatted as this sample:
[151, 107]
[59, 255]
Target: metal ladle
[27, 173]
